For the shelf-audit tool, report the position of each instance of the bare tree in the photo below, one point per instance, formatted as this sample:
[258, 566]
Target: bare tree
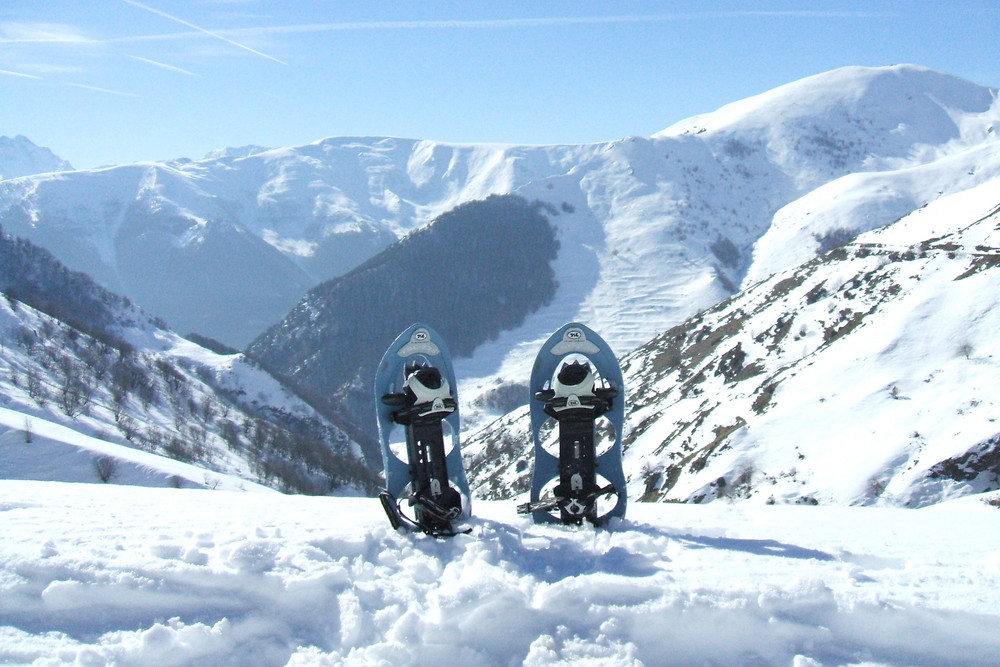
[36, 389]
[106, 468]
[128, 427]
[74, 393]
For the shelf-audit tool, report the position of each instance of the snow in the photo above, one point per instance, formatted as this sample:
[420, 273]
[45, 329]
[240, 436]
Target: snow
[35, 448]
[886, 379]
[861, 202]
[98, 574]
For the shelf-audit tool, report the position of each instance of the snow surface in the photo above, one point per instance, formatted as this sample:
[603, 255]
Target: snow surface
[101, 575]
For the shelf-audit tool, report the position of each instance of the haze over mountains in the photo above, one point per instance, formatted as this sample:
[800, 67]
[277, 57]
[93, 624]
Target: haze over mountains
[649, 232]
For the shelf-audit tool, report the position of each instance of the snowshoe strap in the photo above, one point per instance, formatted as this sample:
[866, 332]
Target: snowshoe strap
[558, 502]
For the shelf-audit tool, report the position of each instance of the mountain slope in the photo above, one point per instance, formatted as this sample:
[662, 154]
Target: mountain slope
[868, 375]
[654, 229]
[474, 272]
[75, 358]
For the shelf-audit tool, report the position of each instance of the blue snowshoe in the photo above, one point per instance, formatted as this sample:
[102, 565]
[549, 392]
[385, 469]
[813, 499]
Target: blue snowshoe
[417, 403]
[575, 380]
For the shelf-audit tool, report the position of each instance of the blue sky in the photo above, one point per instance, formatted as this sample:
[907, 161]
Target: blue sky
[116, 81]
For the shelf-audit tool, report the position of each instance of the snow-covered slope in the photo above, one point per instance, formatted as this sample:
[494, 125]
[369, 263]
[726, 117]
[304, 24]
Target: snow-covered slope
[20, 157]
[101, 575]
[866, 376]
[652, 230]
[163, 409]
[33, 448]
[93, 389]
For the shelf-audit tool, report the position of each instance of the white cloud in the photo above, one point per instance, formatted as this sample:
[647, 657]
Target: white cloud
[34, 33]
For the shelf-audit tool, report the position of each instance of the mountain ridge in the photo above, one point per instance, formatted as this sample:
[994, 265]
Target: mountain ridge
[326, 206]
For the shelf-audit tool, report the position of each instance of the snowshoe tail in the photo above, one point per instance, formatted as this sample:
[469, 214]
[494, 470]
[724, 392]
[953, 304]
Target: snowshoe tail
[434, 519]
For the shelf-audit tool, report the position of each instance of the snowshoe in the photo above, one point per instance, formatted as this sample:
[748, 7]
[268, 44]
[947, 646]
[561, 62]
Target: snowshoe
[416, 403]
[576, 379]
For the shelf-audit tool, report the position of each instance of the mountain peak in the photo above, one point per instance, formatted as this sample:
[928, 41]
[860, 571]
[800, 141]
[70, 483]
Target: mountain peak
[852, 92]
[20, 157]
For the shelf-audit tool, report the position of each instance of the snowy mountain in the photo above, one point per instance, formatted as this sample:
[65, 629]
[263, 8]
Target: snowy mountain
[94, 389]
[866, 376]
[803, 288]
[20, 157]
[652, 231]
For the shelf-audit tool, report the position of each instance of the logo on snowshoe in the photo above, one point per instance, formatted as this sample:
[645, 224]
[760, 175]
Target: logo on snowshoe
[574, 340]
[420, 343]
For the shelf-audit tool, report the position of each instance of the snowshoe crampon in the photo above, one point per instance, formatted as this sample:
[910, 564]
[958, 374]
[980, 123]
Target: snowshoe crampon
[418, 418]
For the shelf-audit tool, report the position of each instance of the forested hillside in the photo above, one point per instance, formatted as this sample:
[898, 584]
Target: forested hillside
[474, 272]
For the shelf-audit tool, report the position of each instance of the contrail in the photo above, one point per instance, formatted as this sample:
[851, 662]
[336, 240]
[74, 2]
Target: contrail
[172, 68]
[202, 30]
[555, 21]
[21, 74]
[481, 24]
[103, 90]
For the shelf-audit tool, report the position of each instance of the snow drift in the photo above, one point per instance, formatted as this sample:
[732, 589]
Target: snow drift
[122, 575]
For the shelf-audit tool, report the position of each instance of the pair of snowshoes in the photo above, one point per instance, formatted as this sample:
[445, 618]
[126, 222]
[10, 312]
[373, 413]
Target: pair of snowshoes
[576, 380]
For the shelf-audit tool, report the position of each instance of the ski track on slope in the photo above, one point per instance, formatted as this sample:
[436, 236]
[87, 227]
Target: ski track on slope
[99, 575]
